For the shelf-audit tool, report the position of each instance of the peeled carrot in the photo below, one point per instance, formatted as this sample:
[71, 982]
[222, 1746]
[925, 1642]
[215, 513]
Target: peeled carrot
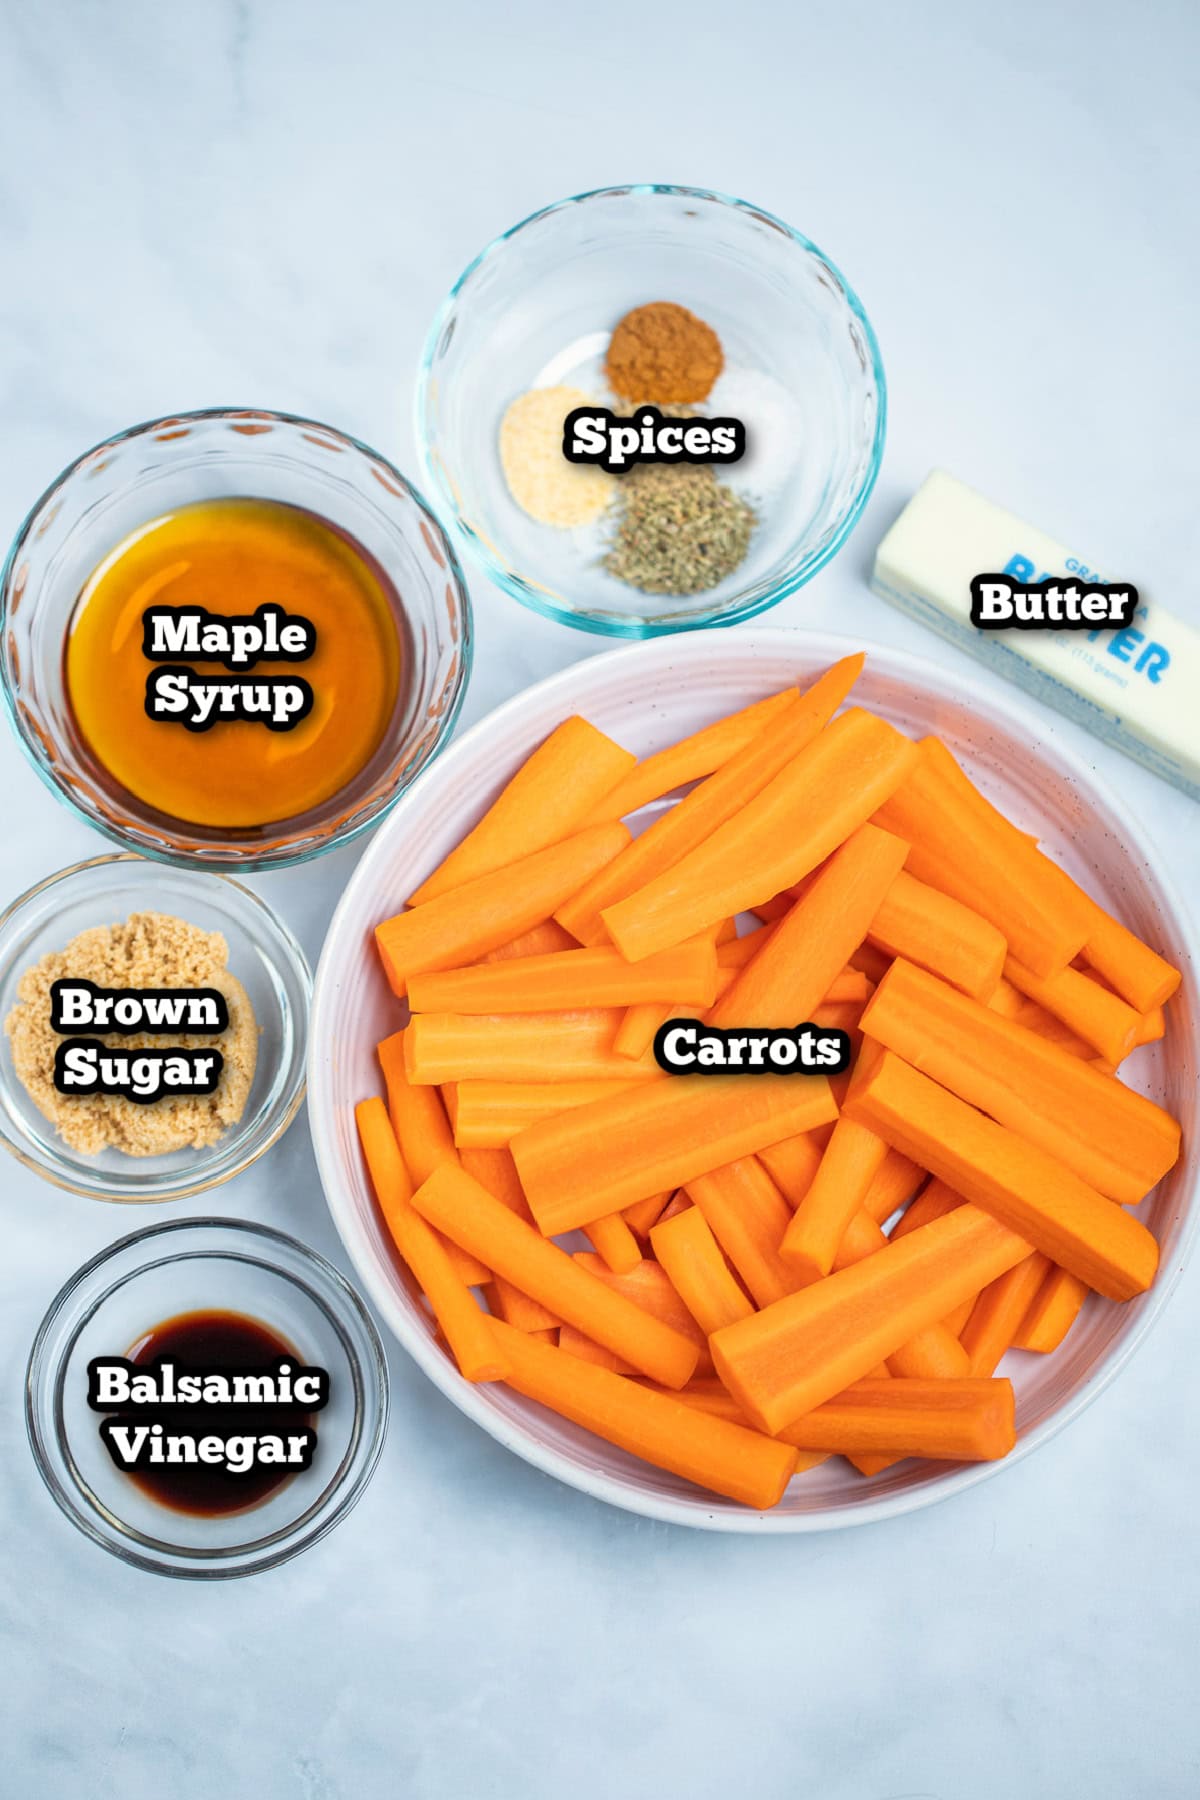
[933, 1354]
[688, 1251]
[958, 847]
[853, 1157]
[1052, 1312]
[727, 1458]
[805, 953]
[997, 1315]
[546, 939]
[463, 1325]
[570, 980]
[615, 1243]
[893, 1185]
[1114, 1139]
[489, 1114]
[961, 1420]
[643, 1215]
[1092, 1012]
[748, 1216]
[1153, 1026]
[792, 1163]
[939, 933]
[1011, 1178]
[1012, 1004]
[933, 1202]
[598, 1158]
[1138, 973]
[712, 804]
[516, 1309]
[809, 1346]
[550, 797]
[573, 1343]
[518, 1047]
[649, 1286]
[423, 1133]
[466, 1212]
[872, 962]
[493, 909]
[691, 758]
[497, 1172]
[636, 1033]
[798, 819]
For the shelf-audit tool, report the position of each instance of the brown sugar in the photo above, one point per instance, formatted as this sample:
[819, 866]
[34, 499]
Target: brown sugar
[663, 352]
[149, 950]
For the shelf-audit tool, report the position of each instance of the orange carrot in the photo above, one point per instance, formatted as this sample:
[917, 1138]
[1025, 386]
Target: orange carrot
[570, 980]
[727, 1458]
[959, 848]
[423, 1133]
[961, 1420]
[473, 1218]
[551, 796]
[516, 1309]
[1012, 1179]
[809, 1346]
[643, 1215]
[598, 1158]
[712, 804]
[546, 939]
[463, 1325]
[933, 1354]
[1140, 975]
[518, 1047]
[938, 933]
[490, 1113]
[798, 819]
[493, 909]
[573, 1343]
[1052, 1312]
[872, 962]
[497, 1172]
[853, 1157]
[792, 1163]
[796, 969]
[997, 1315]
[748, 1215]
[688, 1251]
[1010, 1003]
[1092, 1012]
[739, 950]
[649, 1286]
[893, 1186]
[615, 1242]
[1153, 1026]
[691, 758]
[933, 1202]
[636, 1033]
[1114, 1139]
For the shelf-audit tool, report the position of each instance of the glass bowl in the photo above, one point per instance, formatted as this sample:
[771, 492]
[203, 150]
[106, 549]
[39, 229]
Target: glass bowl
[536, 308]
[646, 696]
[151, 469]
[263, 955]
[197, 1265]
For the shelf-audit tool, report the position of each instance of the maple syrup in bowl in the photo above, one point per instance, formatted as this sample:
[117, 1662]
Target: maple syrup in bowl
[150, 549]
[208, 1297]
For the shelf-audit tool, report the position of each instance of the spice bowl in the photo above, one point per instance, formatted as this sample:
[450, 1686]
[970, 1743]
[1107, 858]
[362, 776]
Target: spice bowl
[155, 471]
[263, 956]
[536, 309]
[180, 1268]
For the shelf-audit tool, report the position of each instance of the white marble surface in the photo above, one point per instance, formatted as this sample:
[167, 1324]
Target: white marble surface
[262, 203]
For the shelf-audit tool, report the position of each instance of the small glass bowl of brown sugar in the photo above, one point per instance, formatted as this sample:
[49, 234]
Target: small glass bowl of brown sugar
[651, 299]
[130, 927]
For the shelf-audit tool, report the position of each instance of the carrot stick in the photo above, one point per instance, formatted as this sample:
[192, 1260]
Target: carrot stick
[792, 1163]
[516, 1309]
[616, 1244]
[872, 962]
[1140, 975]
[798, 966]
[691, 758]
[636, 1033]
[1010, 1178]
[1092, 1012]
[543, 1048]
[715, 801]
[893, 1185]
[961, 1420]
[809, 1346]
[1114, 1139]
[1052, 1312]
[598, 1158]
[649, 1286]
[727, 1458]
[853, 1157]
[748, 1215]
[643, 1215]
[422, 1131]
[798, 819]
[1153, 1026]
[570, 980]
[688, 1251]
[938, 933]
[962, 847]
[550, 797]
[462, 1323]
[493, 909]
[490, 1113]
[546, 939]
[739, 950]
[999, 1312]
[473, 1218]
[497, 1172]
[1010, 1003]
[934, 1354]
[933, 1202]
[573, 1343]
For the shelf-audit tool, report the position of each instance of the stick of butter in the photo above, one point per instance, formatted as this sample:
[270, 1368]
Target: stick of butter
[1137, 689]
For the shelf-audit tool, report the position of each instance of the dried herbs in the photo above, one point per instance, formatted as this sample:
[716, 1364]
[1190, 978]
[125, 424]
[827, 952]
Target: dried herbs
[679, 531]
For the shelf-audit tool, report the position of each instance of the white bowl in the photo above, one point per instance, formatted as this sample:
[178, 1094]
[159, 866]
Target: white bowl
[646, 696]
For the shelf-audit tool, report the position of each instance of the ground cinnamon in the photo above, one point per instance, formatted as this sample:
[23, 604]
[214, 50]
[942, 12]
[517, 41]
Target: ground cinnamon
[663, 352]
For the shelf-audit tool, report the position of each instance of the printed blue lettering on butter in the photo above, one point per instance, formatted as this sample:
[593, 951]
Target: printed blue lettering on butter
[1152, 662]
[1122, 644]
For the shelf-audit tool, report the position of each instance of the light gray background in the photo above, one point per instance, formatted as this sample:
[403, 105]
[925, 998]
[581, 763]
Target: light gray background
[263, 204]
